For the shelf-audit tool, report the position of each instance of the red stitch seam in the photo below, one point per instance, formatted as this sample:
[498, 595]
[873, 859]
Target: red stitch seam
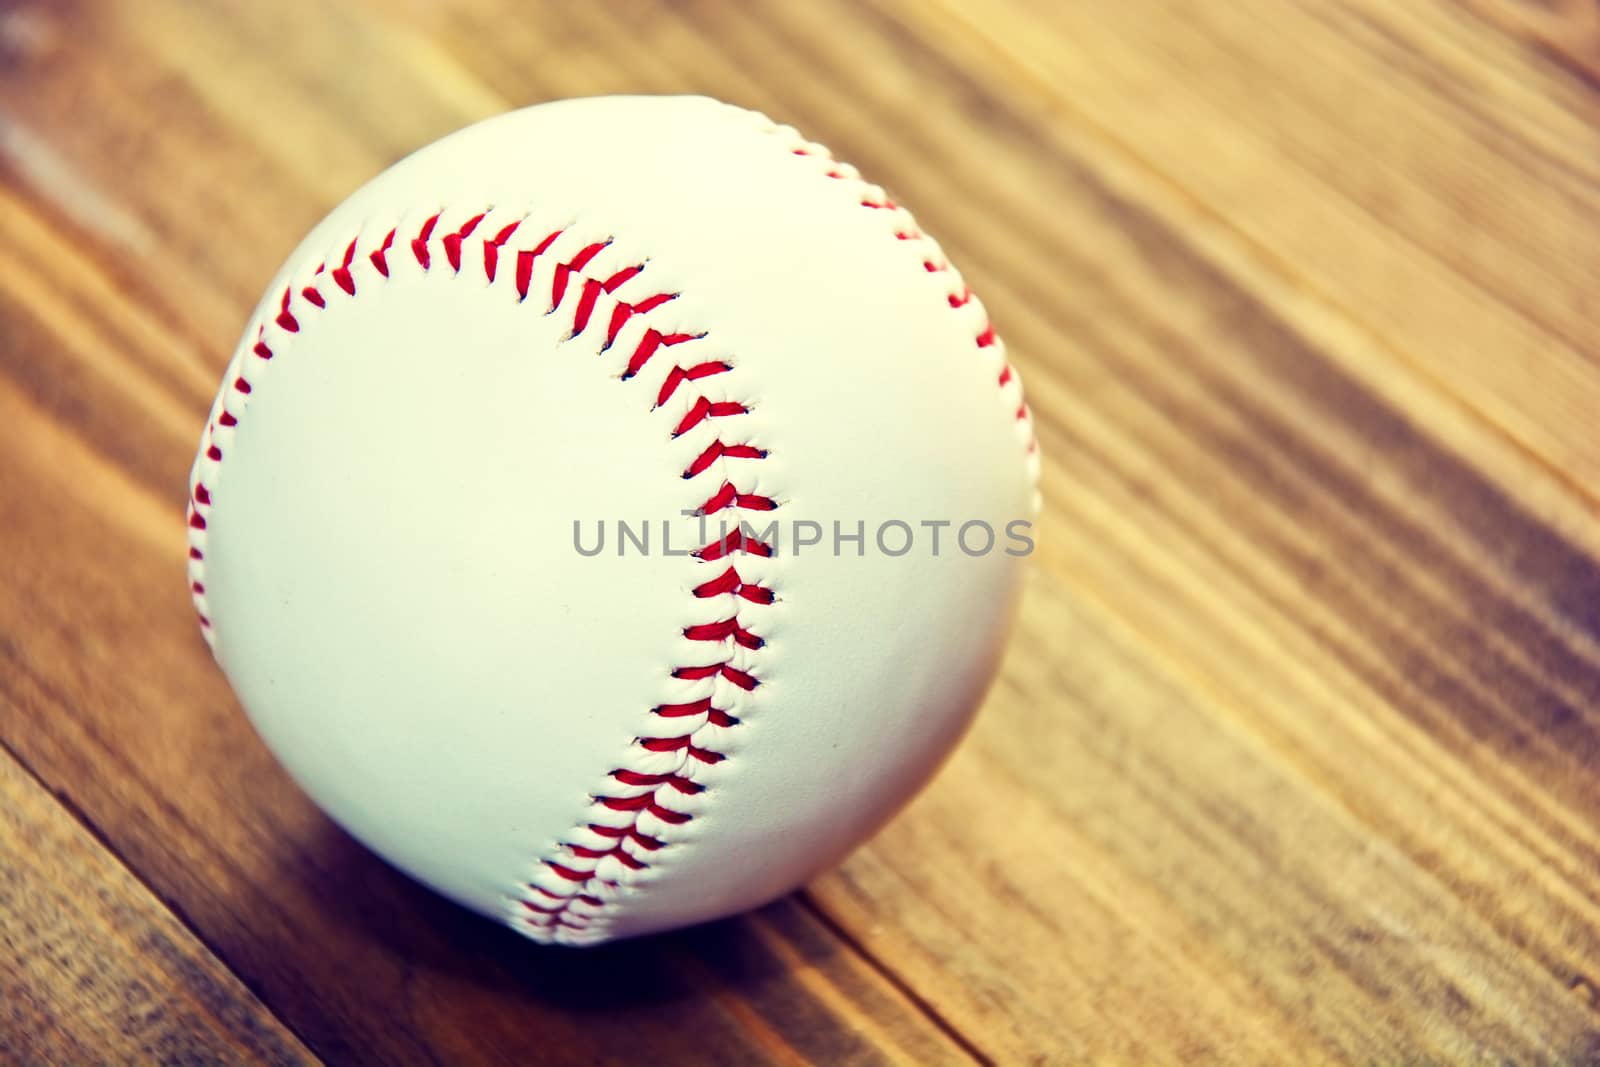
[985, 337]
[552, 910]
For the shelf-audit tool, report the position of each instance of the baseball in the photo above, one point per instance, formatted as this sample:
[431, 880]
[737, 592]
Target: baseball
[613, 513]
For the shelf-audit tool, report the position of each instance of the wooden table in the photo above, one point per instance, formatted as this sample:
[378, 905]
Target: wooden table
[1294, 755]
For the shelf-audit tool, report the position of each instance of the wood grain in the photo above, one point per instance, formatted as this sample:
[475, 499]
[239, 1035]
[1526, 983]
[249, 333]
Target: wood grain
[1293, 756]
[97, 969]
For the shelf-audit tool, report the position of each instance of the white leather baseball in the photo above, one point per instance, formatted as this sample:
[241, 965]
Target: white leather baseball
[610, 309]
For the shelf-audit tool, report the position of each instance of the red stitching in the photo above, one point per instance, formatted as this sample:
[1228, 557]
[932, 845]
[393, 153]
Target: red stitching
[580, 318]
[491, 249]
[678, 782]
[525, 260]
[686, 708]
[703, 409]
[613, 283]
[731, 634]
[737, 677]
[380, 257]
[728, 496]
[651, 303]
[341, 273]
[617, 852]
[678, 375]
[986, 337]
[721, 450]
[452, 242]
[558, 283]
[734, 541]
[623, 312]
[419, 243]
[723, 631]
[648, 346]
[730, 581]
[619, 318]
[569, 874]
[285, 319]
[683, 744]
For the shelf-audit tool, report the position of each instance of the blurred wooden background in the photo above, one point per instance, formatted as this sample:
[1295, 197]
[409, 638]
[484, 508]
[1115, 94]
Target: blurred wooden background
[1294, 756]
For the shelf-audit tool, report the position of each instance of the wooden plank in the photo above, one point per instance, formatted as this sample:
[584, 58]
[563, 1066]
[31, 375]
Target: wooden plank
[95, 969]
[1568, 31]
[1292, 759]
[1409, 166]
